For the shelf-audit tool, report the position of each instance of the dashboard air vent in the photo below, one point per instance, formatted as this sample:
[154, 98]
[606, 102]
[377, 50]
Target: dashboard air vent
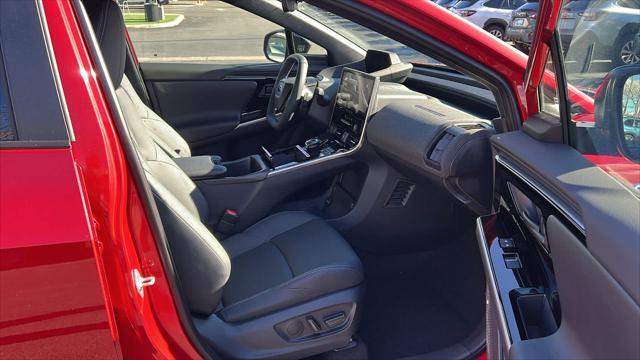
[438, 150]
[401, 194]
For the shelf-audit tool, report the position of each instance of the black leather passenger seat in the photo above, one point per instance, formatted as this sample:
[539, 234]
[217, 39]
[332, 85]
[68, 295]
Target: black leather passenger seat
[289, 286]
[284, 260]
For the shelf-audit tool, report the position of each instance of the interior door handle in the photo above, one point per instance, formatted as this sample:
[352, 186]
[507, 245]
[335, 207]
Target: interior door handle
[536, 230]
[532, 225]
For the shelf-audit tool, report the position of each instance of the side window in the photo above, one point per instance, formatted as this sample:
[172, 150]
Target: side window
[200, 32]
[549, 97]
[601, 48]
[7, 126]
[496, 4]
[513, 4]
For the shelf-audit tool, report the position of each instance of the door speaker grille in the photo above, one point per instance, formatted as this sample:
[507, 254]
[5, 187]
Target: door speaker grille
[401, 194]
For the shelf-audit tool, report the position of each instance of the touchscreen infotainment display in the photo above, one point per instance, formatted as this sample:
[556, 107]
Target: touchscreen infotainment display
[352, 104]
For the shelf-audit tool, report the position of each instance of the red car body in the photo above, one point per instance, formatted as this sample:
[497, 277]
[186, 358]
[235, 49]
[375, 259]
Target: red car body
[68, 249]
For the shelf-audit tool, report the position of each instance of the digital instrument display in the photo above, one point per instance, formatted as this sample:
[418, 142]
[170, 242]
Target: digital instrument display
[351, 107]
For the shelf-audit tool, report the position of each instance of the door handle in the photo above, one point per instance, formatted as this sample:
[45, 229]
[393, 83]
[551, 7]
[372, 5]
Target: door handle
[532, 225]
[536, 230]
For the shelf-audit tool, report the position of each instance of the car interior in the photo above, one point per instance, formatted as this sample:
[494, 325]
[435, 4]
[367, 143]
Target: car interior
[315, 208]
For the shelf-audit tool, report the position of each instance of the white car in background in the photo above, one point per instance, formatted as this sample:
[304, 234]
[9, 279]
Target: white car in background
[491, 15]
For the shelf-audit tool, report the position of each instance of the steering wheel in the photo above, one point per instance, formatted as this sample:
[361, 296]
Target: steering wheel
[287, 92]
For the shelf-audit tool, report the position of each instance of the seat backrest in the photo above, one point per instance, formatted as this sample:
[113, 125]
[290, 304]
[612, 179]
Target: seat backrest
[162, 133]
[202, 264]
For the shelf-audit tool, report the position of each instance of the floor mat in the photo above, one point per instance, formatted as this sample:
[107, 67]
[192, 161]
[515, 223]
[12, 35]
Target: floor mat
[413, 303]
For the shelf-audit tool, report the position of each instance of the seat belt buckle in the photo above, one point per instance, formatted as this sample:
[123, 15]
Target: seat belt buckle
[227, 221]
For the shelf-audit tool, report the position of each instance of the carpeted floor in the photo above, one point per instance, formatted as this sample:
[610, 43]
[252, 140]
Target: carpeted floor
[421, 302]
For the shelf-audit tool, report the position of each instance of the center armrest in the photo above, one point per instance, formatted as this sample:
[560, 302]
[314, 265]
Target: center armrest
[201, 167]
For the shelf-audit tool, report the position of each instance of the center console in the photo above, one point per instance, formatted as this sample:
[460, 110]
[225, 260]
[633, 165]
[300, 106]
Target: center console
[351, 110]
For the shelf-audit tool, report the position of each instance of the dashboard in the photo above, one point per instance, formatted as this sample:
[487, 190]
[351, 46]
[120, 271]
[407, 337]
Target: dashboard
[411, 131]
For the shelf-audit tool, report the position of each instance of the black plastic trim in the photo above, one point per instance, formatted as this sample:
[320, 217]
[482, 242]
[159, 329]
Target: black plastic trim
[32, 144]
[561, 83]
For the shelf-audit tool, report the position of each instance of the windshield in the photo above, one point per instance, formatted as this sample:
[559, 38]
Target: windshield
[364, 37]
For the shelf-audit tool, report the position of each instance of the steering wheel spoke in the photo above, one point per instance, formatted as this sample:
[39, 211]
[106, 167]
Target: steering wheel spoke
[288, 91]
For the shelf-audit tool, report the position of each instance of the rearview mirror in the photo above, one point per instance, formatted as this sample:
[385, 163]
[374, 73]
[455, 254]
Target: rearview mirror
[617, 109]
[275, 46]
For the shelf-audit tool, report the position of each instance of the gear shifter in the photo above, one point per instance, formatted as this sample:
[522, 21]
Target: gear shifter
[312, 143]
[313, 146]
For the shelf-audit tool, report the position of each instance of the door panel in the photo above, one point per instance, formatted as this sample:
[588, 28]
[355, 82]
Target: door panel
[200, 110]
[574, 290]
[218, 109]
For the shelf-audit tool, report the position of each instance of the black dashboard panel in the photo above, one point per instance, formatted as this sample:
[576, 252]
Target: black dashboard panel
[447, 145]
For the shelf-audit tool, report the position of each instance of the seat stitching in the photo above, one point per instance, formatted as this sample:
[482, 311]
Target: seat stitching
[286, 260]
[262, 241]
[263, 220]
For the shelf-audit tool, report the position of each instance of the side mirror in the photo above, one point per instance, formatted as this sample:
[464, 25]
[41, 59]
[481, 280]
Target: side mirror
[617, 109]
[275, 46]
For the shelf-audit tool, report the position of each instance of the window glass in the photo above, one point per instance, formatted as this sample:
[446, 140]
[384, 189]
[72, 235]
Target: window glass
[514, 4]
[599, 36]
[364, 37]
[549, 98]
[7, 127]
[496, 4]
[464, 4]
[200, 32]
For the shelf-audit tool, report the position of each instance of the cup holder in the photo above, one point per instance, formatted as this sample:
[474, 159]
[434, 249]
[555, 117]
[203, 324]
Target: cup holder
[245, 166]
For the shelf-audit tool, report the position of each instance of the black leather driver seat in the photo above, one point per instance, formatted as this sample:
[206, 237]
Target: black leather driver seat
[289, 286]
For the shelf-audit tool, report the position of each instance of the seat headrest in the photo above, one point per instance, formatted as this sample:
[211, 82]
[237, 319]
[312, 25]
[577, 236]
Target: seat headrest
[108, 25]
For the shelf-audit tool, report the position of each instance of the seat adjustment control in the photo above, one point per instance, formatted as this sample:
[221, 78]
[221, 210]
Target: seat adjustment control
[313, 323]
[334, 320]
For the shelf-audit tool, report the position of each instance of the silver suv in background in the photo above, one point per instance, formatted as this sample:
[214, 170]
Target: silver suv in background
[491, 15]
[607, 35]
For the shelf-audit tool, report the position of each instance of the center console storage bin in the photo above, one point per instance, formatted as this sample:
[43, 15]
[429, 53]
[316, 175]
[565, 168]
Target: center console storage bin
[245, 166]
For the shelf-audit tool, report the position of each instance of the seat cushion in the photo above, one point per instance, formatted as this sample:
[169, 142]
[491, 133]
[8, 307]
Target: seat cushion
[283, 260]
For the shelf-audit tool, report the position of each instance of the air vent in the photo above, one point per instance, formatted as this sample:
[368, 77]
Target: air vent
[401, 194]
[438, 150]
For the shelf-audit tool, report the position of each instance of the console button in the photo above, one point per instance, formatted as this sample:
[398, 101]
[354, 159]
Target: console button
[512, 261]
[506, 243]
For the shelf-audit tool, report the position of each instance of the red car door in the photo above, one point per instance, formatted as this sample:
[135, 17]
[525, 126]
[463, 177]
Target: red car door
[562, 251]
[52, 304]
